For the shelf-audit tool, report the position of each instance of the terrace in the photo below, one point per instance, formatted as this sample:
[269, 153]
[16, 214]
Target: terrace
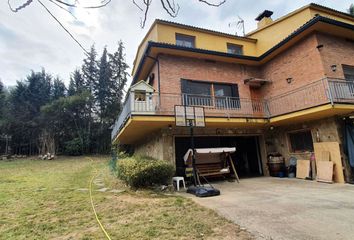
[325, 91]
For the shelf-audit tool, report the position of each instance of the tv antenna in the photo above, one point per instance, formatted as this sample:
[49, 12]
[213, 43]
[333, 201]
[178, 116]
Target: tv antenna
[240, 24]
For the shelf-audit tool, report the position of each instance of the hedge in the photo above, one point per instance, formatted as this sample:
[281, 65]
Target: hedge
[140, 172]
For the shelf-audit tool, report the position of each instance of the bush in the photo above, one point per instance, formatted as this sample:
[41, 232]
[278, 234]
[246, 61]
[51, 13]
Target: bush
[143, 172]
[73, 147]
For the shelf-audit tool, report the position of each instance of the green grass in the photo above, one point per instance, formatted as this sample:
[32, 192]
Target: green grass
[39, 200]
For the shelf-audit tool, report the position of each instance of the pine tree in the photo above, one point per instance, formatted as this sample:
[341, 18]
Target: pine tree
[90, 70]
[102, 88]
[71, 88]
[77, 83]
[351, 9]
[2, 97]
[25, 102]
[118, 81]
[58, 89]
[90, 73]
[3, 105]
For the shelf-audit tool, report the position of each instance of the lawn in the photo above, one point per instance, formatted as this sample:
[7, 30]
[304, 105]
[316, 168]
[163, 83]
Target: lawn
[50, 200]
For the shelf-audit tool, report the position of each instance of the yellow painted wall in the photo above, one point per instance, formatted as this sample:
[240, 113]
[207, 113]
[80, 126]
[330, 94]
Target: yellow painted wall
[151, 36]
[167, 34]
[266, 36]
[328, 15]
[164, 33]
[270, 35]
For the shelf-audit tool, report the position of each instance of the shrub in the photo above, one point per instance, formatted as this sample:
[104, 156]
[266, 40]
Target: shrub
[73, 147]
[143, 172]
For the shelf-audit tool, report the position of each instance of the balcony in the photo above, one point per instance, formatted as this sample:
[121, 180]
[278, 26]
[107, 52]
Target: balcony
[318, 93]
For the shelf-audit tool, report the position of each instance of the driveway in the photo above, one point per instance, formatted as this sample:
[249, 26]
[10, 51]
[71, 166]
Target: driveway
[275, 208]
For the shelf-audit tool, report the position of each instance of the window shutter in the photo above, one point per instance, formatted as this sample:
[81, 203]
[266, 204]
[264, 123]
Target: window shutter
[235, 92]
[184, 86]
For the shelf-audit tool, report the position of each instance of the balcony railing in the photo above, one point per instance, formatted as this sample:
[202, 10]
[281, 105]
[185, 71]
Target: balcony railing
[317, 93]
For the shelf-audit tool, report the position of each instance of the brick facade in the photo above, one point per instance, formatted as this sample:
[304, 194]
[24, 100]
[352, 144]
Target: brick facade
[173, 69]
[335, 51]
[301, 62]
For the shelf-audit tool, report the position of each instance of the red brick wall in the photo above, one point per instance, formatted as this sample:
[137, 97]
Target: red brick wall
[173, 68]
[301, 62]
[335, 51]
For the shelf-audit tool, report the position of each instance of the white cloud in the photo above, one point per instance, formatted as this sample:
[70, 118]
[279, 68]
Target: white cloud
[31, 39]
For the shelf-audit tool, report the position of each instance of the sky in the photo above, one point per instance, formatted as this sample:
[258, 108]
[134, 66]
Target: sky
[31, 40]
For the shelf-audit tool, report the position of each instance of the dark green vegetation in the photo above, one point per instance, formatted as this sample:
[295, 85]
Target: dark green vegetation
[50, 200]
[351, 9]
[142, 172]
[41, 115]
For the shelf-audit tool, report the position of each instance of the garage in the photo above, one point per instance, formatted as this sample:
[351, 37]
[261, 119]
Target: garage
[247, 159]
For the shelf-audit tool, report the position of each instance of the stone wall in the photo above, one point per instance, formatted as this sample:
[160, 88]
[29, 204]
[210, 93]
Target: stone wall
[158, 145]
[329, 130]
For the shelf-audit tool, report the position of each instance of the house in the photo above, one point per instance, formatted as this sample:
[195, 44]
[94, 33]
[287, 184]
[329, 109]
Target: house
[280, 88]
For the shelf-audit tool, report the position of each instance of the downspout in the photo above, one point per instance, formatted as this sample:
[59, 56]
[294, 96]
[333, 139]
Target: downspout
[158, 75]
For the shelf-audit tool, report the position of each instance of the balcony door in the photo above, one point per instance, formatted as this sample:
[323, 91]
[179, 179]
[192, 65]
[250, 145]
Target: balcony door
[209, 94]
[348, 72]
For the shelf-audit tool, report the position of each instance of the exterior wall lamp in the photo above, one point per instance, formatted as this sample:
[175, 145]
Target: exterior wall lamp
[289, 80]
[334, 67]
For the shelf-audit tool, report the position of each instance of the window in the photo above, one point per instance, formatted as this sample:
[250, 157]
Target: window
[140, 96]
[300, 141]
[234, 49]
[185, 40]
[348, 72]
[226, 96]
[210, 94]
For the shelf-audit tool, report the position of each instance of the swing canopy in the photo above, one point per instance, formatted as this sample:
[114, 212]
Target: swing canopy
[202, 153]
[211, 161]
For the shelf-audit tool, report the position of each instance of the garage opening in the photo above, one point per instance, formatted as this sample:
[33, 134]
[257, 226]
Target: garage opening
[247, 158]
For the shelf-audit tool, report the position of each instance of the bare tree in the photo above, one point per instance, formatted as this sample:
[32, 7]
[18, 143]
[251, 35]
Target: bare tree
[170, 6]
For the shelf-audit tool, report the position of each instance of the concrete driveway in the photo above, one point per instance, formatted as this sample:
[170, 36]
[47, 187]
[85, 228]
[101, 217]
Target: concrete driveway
[274, 208]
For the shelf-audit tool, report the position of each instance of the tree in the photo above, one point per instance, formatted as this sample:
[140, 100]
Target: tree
[90, 73]
[90, 70]
[119, 79]
[102, 88]
[41, 116]
[351, 9]
[170, 6]
[58, 89]
[2, 98]
[25, 102]
[77, 84]
[69, 123]
[3, 107]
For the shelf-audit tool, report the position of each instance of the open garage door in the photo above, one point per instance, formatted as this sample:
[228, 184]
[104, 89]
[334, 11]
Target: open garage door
[246, 158]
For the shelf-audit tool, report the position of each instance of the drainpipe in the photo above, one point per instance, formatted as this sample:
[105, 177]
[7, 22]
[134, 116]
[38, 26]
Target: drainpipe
[158, 75]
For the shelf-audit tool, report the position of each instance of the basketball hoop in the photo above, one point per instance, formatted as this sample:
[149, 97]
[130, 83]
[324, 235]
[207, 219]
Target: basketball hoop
[189, 116]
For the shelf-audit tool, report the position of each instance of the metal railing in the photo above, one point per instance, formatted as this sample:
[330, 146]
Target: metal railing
[122, 117]
[310, 95]
[324, 91]
[341, 91]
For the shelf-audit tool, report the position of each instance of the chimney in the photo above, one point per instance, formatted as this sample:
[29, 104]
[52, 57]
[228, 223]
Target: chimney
[264, 18]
